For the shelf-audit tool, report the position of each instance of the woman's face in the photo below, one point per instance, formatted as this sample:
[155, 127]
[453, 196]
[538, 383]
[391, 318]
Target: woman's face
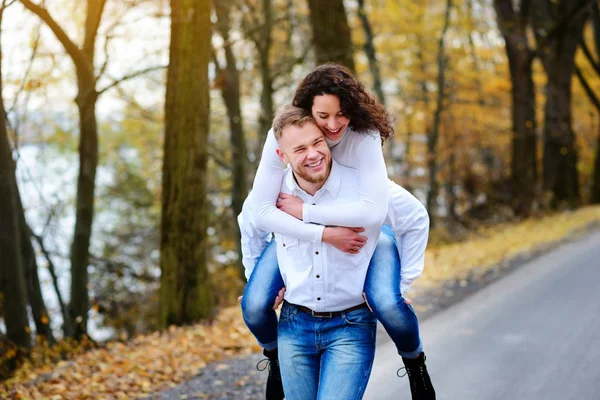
[327, 112]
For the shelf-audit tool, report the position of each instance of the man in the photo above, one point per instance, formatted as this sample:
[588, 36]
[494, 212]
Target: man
[326, 333]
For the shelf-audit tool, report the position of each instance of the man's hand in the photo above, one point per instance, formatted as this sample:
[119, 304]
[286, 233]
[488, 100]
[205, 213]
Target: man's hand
[345, 239]
[279, 299]
[290, 204]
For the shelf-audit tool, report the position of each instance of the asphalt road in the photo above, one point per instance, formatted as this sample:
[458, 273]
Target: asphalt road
[534, 334]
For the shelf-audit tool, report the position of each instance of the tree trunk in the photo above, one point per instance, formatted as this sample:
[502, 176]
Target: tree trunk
[560, 176]
[596, 182]
[435, 130]
[369, 48]
[88, 163]
[331, 33]
[267, 108]
[186, 292]
[513, 27]
[12, 276]
[34, 289]
[230, 91]
[87, 96]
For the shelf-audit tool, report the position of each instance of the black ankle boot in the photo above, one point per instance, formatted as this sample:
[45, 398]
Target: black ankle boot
[274, 385]
[420, 383]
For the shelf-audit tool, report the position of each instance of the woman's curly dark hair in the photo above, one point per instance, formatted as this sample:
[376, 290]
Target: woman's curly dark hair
[364, 111]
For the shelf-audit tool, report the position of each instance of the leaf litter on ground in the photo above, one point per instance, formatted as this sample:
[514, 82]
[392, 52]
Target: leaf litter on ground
[150, 363]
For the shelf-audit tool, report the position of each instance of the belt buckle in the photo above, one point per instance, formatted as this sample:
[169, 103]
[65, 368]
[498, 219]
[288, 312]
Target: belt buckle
[323, 314]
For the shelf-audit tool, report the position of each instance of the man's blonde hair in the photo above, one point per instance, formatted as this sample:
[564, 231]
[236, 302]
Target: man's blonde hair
[290, 115]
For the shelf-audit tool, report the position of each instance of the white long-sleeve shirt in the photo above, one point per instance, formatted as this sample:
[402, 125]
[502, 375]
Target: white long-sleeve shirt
[406, 216]
[316, 274]
[361, 151]
[401, 210]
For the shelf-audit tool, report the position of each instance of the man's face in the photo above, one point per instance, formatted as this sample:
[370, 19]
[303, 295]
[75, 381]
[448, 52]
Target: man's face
[306, 150]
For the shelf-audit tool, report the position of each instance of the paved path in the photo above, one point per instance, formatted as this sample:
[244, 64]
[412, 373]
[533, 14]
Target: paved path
[534, 334]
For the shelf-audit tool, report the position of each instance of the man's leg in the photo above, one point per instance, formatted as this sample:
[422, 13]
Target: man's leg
[299, 357]
[349, 349]
[257, 302]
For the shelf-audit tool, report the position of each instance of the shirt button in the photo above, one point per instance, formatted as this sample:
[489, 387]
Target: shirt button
[284, 245]
[318, 276]
[316, 252]
[314, 204]
[318, 298]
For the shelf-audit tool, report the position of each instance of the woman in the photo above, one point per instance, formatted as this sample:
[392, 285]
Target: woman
[355, 125]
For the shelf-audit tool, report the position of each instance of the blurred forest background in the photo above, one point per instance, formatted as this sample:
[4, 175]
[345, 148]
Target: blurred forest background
[131, 131]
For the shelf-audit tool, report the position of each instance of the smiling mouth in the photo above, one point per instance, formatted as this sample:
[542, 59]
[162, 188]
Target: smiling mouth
[316, 164]
[338, 130]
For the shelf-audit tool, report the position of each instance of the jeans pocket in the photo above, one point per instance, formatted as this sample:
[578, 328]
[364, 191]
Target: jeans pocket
[287, 313]
[362, 316]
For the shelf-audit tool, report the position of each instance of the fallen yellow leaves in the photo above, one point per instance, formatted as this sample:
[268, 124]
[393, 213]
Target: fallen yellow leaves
[147, 364]
[490, 246]
[142, 366]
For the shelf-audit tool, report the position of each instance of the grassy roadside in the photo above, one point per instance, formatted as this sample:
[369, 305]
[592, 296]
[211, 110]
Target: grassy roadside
[149, 363]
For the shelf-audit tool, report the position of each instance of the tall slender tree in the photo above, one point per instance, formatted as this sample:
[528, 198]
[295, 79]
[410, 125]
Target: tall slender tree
[596, 181]
[560, 176]
[434, 134]
[513, 20]
[230, 90]
[12, 275]
[87, 96]
[88, 93]
[186, 293]
[331, 32]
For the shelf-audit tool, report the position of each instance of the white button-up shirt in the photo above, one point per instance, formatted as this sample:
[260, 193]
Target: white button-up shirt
[407, 217]
[318, 275]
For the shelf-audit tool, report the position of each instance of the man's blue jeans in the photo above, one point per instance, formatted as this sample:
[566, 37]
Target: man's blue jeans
[382, 288]
[325, 358]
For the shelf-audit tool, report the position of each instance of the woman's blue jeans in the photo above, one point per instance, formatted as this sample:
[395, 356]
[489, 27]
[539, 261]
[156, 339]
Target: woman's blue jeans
[382, 288]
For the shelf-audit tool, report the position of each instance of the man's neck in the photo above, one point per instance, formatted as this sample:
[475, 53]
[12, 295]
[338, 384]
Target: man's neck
[308, 187]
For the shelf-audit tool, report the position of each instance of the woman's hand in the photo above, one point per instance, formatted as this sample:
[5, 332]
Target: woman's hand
[345, 239]
[290, 204]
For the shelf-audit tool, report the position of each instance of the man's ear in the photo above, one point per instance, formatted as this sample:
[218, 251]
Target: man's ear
[282, 156]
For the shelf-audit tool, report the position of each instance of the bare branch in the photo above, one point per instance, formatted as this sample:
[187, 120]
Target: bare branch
[52, 271]
[589, 56]
[5, 6]
[588, 90]
[131, 76]
[78, 57]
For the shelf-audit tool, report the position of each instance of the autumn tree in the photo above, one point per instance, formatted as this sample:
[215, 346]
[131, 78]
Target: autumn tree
[12, 275]
[331, 33]
[186, 292]
[229, 81]
[433, 135]
[87, 77]
[513, 22]
[560, 176]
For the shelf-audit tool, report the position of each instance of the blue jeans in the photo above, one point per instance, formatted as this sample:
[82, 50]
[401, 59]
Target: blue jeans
[325, 358]
[382, 288]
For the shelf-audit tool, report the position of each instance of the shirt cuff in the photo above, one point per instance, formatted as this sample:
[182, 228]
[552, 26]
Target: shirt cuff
[306, 213]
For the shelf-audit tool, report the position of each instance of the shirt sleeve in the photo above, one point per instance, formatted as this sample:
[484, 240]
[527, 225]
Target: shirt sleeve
[372, 204]
[266, 188]
[253, 239]
[410, 222]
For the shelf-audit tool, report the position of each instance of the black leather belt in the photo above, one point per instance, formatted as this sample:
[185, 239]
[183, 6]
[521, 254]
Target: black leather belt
[327, 314]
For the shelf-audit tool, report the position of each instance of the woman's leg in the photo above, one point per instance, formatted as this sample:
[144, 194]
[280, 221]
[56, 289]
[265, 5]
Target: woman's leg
[260, 293]
[382, 289]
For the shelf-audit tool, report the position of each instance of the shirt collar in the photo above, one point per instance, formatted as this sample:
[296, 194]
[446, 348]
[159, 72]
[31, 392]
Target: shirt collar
[332, 184]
